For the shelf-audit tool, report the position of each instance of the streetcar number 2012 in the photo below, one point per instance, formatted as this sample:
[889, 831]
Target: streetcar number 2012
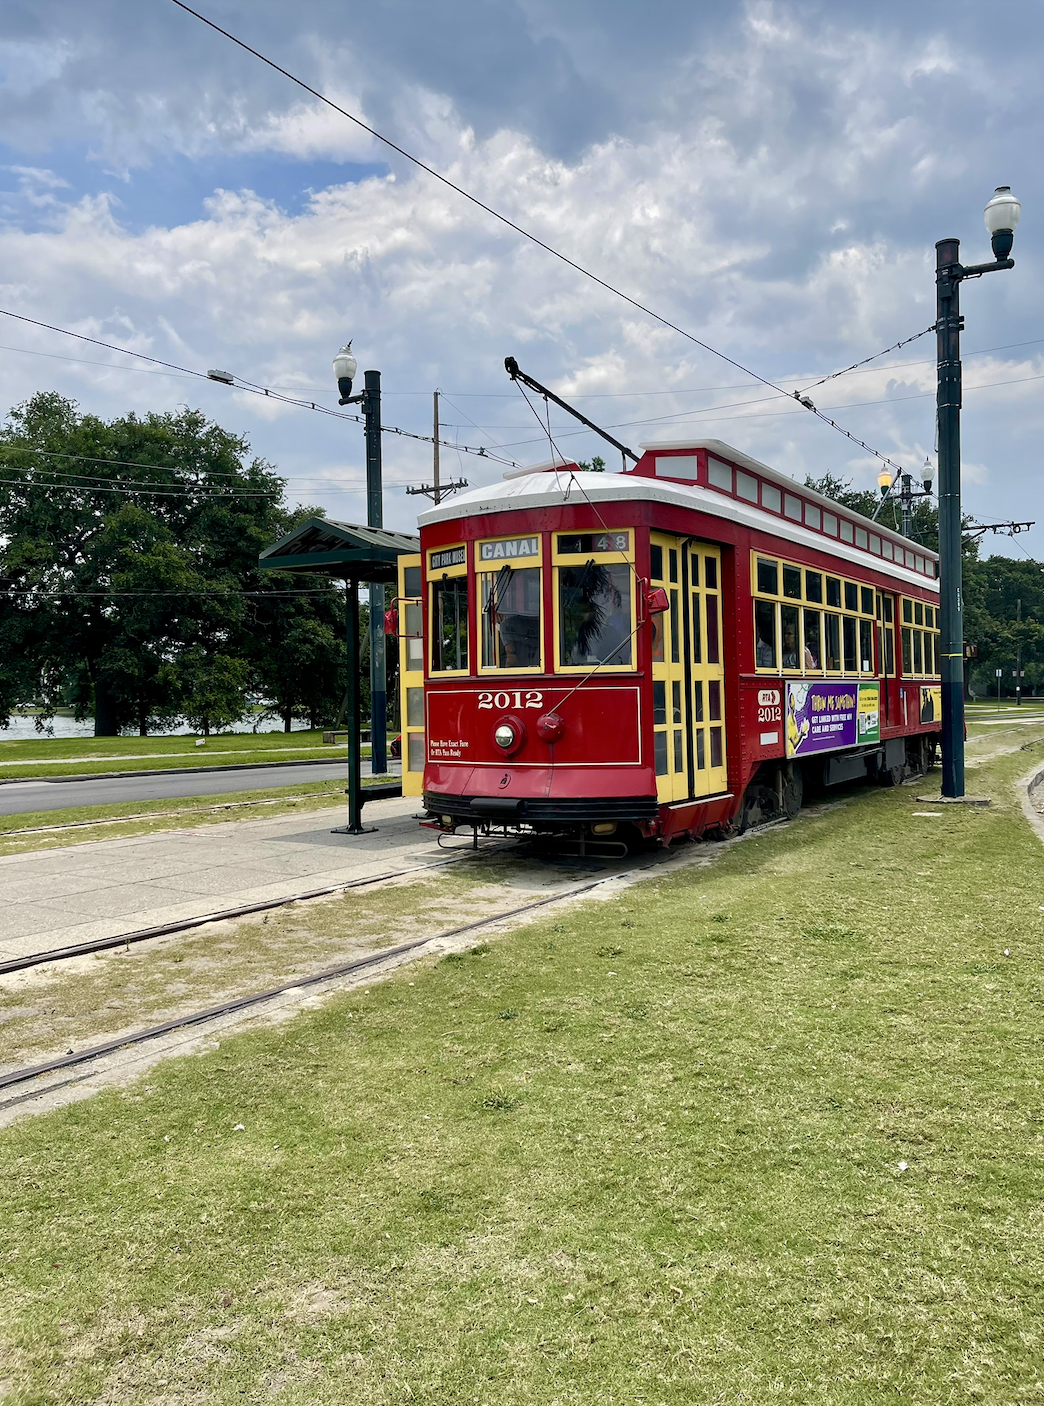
[519, 698]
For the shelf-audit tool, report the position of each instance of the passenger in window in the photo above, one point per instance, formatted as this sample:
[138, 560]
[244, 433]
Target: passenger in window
[790, 652]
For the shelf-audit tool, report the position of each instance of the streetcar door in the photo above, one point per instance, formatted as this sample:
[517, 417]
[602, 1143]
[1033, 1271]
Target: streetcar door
[670, 711]
[706, 668]
[411, 674]
[886, 662]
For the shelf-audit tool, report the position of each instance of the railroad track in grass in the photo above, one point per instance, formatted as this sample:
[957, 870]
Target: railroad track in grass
[219, 915]
[371, 961]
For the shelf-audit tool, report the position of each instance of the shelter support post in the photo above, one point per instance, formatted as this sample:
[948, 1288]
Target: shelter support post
[355, 801]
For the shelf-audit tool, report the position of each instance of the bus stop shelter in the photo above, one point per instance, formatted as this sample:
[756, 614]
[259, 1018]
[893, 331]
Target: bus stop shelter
[355, 555]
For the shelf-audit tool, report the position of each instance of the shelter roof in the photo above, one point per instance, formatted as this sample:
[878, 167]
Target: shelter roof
[339, 549]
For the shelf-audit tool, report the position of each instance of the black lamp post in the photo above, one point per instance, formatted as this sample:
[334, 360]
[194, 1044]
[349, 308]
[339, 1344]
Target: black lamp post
[345, 366]
[1002, 215]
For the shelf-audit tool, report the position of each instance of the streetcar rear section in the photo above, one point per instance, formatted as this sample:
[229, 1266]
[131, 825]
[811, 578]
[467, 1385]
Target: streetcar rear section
[681, 649]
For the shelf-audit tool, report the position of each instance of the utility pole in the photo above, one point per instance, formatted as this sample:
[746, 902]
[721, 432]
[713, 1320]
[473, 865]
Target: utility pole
[437, 492]
[436, 489]
[1018, 657]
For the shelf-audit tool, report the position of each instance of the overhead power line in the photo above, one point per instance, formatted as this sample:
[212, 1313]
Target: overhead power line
[528, 234]
[237, 383]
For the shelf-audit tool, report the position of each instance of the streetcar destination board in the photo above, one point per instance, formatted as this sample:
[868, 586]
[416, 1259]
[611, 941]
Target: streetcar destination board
[453, 556]
[512, 547]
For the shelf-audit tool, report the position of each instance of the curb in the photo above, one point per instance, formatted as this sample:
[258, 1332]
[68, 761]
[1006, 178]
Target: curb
[169, 771]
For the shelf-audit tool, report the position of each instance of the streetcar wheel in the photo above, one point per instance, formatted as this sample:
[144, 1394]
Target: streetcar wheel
[793, 793]
[892, 776]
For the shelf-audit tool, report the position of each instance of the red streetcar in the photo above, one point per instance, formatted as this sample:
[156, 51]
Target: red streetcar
[673, 650]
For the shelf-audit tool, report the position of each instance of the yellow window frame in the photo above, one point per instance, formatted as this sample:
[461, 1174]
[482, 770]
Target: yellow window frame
[610, 557]
[534, 560]
[435, 575]
[803, 603]
[412, 778]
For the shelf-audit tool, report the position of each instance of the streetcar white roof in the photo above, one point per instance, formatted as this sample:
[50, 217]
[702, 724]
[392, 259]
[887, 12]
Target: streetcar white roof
[551, 486]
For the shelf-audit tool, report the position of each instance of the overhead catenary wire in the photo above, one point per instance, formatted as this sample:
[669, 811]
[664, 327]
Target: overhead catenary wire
[250, 388]
[528, 234]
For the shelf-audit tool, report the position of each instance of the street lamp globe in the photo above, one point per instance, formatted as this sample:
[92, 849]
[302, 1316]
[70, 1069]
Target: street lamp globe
[345, 367]
[884, 482]
[1002, 215]
[927, 475]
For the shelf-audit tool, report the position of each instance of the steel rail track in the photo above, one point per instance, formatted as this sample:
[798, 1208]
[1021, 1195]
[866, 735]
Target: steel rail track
[241, 1003]
[105, 944]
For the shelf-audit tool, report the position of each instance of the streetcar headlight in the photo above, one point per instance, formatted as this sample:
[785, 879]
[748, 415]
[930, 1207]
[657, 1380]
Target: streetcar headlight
[505, 736]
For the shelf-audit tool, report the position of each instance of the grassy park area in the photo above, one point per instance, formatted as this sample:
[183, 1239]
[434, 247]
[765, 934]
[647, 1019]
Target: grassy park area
[770, 1129]
[28, 760]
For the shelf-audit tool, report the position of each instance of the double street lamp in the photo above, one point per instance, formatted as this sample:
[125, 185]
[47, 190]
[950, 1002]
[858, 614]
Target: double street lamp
[345, 367]
[1002, 215]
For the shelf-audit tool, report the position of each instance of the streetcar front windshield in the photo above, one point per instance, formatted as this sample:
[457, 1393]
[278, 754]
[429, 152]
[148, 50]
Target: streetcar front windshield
[511, 618]
[594, 614]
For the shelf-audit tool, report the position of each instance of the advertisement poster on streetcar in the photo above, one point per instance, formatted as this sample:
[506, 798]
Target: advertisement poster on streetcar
[931, 703]
[829, 714]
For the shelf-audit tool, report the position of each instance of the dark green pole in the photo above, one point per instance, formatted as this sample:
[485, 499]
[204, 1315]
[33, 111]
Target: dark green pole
[951, 613]
[375, 518]
[355, 825]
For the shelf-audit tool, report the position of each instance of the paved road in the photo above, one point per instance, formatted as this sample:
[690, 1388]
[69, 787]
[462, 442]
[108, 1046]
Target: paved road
[20, 796]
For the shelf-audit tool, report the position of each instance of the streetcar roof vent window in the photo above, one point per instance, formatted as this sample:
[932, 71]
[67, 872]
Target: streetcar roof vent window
[683, 466]
[719, 475]
[812, 516]
[861, 538]
[830, 524]
[911, 560]
[792, 506]
[846, 530]
[920, 565]
[886, 549]
[875, 544]
[771, 498]
[746, 486]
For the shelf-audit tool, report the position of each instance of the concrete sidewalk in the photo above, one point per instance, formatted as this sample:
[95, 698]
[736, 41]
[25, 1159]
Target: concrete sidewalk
[56, 897]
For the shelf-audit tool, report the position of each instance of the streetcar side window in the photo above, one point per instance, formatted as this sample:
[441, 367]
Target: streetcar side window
[806, 639]
[832, 643]
[768, 577]
[511, 618]
[813, 656]
[656, 563]
[765, 634]
[449, 624]
[921, 650]
[594, 614]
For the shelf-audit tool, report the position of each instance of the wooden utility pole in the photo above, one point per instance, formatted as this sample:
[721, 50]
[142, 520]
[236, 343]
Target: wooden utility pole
[435, 464]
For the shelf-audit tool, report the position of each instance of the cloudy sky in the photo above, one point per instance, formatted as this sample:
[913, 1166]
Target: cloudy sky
[770, 177]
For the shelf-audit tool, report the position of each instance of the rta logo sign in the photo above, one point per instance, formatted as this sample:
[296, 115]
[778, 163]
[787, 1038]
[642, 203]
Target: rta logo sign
[768, 697]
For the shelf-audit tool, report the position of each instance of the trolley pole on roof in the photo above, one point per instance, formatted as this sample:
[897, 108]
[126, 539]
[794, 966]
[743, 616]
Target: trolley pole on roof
[1001, 215]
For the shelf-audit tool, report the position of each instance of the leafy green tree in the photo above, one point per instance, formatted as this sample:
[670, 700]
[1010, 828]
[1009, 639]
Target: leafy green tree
[596, 466]
[128, 557]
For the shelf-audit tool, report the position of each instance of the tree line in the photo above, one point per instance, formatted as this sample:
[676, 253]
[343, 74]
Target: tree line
[129, 581]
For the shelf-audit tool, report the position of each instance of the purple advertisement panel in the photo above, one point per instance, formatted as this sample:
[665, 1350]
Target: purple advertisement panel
[822, 716]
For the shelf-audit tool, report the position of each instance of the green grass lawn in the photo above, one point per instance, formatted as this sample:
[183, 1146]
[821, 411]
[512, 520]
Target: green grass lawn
[766, 1131]
[69, 756]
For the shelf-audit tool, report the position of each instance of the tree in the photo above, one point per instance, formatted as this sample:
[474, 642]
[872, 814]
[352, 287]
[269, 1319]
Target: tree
[596, 466]
[128, 553]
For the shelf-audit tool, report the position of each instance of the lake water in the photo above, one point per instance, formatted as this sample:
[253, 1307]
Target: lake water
[22, 729]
